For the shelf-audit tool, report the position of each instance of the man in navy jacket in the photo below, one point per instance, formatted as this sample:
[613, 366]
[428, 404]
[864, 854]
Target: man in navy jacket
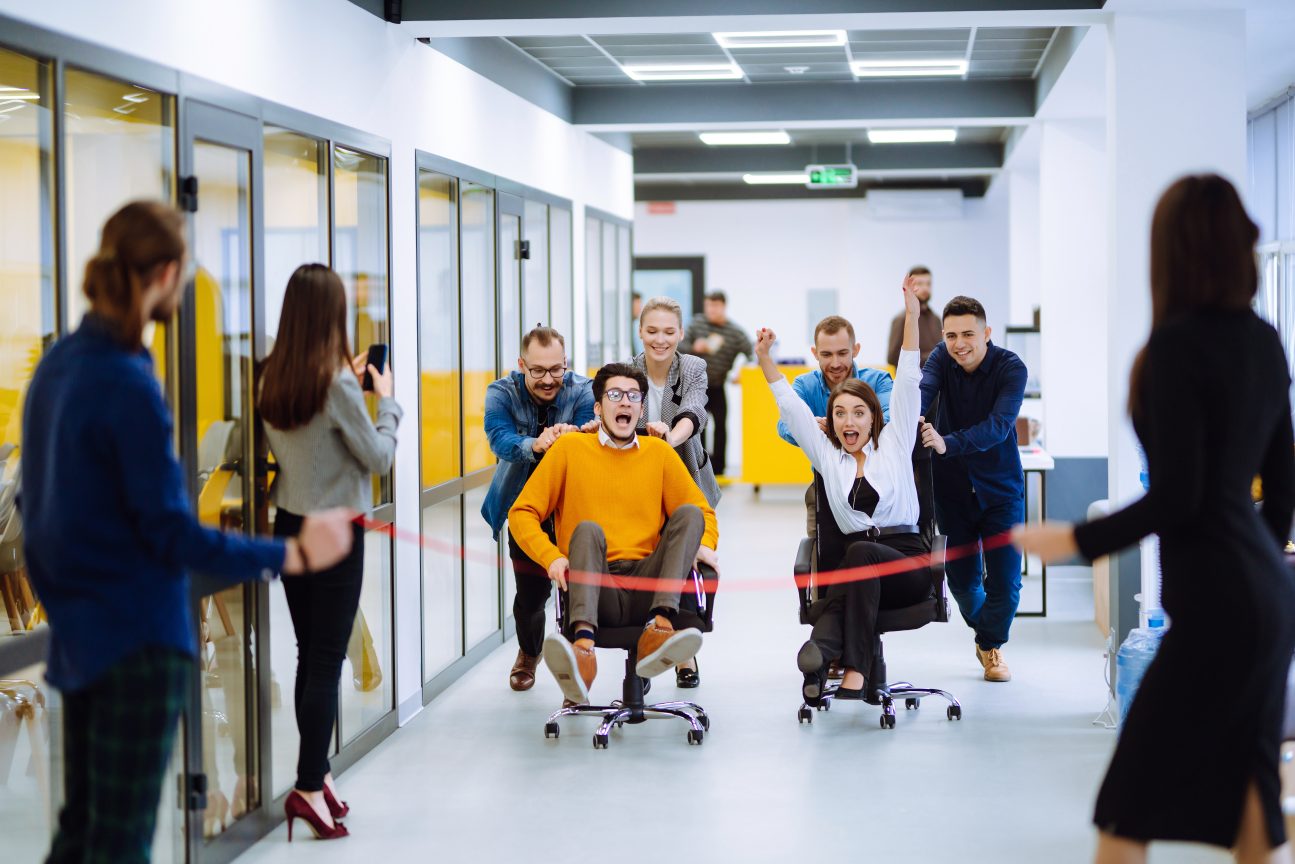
[526, 411]
[979, 484]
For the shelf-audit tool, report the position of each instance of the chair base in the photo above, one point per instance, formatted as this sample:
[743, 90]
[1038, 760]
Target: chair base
[886, 698]
[631, 709]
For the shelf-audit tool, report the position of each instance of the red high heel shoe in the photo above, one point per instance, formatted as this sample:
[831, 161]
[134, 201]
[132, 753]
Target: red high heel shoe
[297, 807]
[337, 809]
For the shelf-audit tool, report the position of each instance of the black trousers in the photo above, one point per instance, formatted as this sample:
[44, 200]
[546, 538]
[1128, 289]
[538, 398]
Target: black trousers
[118, 734]
[717, 406]
[846, 628]
[533, 590]
[323, 607]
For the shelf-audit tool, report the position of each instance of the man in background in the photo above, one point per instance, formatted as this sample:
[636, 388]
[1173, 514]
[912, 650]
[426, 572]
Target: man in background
[928, 323]
[718, 341]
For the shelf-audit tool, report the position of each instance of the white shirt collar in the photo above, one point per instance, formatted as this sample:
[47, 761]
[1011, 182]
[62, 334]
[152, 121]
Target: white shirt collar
[606, 440]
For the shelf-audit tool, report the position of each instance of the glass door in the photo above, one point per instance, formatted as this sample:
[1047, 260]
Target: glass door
[221, 157]
[512, 211]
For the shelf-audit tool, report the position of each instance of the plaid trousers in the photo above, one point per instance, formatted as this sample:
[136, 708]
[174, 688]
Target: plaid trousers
[118, 735]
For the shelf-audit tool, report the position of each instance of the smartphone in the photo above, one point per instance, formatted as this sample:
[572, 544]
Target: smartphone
[378, 360]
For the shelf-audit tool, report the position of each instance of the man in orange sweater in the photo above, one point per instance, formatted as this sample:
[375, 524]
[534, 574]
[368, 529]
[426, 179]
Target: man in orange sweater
[610, 493]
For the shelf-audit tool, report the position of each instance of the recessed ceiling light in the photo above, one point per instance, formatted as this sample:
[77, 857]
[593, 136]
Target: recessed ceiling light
[908, 68]
[796, 70]
[779, 179]
[720, 139]
[912, 136]
[782, 39]
[683, 71]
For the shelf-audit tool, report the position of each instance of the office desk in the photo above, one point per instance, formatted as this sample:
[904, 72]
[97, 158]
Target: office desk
[1036, 460]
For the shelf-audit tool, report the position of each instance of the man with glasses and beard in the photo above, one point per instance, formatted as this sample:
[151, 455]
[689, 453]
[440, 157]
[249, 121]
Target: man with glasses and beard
[526, 411]
[609, 493]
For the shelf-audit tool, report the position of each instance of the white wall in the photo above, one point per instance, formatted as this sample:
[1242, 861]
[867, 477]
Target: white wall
[333, 60]
[767, 254]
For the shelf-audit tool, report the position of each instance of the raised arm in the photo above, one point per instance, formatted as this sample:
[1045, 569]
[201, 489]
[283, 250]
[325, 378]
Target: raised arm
[905, 395]
[792, 409]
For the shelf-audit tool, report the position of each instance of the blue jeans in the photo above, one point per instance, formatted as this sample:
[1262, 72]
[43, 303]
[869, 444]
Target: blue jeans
[987, 585]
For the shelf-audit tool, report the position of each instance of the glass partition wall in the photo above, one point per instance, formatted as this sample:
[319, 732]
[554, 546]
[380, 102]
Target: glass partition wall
[608, 258]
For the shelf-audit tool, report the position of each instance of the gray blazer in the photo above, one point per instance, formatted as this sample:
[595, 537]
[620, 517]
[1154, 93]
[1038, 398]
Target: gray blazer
[685, 396]
[330, 461]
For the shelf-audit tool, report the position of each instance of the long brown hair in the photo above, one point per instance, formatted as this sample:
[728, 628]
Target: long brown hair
[1202, 256]
[137, 241]
[855, 387]
[310, 348]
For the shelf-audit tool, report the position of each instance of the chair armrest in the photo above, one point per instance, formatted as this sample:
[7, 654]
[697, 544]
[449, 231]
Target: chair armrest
[804, 557]
[939, 544]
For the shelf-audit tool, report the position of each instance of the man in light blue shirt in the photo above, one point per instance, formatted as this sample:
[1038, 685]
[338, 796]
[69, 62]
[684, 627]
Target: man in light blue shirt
[835, 350]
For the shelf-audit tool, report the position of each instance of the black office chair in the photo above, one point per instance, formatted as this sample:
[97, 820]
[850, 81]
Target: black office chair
[696, 609]
[934, 608]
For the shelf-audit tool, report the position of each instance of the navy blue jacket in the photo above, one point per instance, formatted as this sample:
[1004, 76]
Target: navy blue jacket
[107, 524]
[512, 427]
[977, 419]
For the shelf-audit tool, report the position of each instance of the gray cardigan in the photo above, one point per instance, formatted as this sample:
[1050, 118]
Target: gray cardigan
[330, 461]
[685, 396]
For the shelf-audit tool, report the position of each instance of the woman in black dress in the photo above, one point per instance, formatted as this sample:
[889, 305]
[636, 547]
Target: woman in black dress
[1209, 397]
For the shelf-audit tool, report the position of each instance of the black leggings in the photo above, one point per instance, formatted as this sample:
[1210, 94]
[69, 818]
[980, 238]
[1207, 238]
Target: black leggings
[846, 628]
[323, 607]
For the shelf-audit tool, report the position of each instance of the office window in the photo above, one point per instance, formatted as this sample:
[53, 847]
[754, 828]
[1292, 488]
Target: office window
[560, 277]
[535, 301]
[1271, 201]
[477, 290]
[596, 339]
[443, 585]
[296, 213]
[438, 330]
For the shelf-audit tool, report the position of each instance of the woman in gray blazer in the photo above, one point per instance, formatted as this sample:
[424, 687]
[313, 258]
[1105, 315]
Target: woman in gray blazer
[327, 449]
[675, 408]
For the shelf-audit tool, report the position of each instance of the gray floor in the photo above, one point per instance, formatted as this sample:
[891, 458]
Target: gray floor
[472, 777]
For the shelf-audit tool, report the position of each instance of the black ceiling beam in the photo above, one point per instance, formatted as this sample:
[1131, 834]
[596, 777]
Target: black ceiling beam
[972, 187]
[771, 104]
[497, 10]
[889, 157]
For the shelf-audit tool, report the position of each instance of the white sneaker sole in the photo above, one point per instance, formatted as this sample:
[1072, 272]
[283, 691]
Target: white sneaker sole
[560, 657]
[679, 648]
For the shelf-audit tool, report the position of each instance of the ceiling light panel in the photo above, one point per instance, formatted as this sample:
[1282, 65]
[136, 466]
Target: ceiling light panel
[776, 179]
[782, 39]
[723, 139]
[912, 136]
[909, 68]
[683, 71]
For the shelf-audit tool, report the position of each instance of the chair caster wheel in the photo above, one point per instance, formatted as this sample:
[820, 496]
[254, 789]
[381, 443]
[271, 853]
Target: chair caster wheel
[804, 715]
[824, 705]
[694, 736]
[912, 704]
[954, 712]
[551, 730]
[600, 741]
[887, 721]
[619, 723]
[704, 721]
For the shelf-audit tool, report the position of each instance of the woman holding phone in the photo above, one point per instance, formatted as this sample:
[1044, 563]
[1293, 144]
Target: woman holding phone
[327, 449]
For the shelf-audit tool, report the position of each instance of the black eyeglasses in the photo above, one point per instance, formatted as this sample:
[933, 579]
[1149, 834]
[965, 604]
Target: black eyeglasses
[635, 396]
[538, 372]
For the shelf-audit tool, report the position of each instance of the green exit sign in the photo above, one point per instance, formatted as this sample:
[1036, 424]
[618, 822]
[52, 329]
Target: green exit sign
[831, 177]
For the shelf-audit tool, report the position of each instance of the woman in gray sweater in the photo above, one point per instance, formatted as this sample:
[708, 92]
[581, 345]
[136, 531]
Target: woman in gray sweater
[327, 449]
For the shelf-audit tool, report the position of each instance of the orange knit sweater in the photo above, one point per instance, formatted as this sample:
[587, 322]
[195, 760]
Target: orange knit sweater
[630, 493]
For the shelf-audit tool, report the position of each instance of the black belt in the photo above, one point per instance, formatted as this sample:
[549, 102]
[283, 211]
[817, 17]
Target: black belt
[890, 531]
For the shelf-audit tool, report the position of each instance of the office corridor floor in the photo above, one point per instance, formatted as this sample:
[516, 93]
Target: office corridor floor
[472, 778]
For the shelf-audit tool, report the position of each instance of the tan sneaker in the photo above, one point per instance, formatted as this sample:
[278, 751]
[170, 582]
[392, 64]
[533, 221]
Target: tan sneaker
[995, 668]
[574, 667]
[661, 648]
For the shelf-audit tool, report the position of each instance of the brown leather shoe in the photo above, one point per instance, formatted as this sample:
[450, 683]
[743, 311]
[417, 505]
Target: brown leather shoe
[573, 667]
[523, 675]
[663, 648]
[995, 669]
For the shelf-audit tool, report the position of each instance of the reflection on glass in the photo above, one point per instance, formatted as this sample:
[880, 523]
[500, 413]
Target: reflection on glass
[119, 146]
[296, 213]
[624, 266]
[442, 586]
[480, 572]
[560, 274]
[510, 291]
[222, 345]
[366, 675]
[594, 291]
[535, 302]
[438, 328]
[27, 316]
[478, 293]
[360, 214]
[612, 349]
[30, 776]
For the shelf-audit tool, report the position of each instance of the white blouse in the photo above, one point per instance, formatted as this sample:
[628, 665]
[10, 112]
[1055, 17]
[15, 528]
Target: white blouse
[889, 464]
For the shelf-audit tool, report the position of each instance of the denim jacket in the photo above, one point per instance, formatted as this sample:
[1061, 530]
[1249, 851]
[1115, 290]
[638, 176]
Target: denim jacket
[511, 428]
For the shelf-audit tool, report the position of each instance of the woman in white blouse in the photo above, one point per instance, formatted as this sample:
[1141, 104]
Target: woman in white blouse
[867, 471]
